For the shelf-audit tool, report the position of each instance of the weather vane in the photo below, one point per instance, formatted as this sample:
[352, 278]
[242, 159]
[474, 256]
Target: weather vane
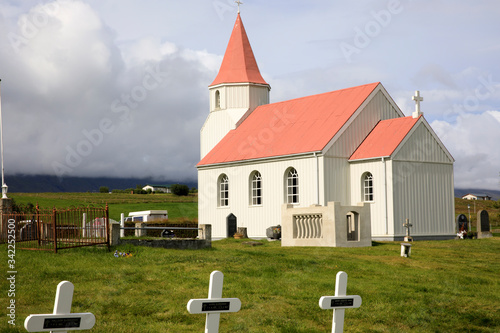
[239, 3]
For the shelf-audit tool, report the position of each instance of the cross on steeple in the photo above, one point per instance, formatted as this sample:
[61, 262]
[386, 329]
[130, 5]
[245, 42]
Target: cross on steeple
[417, 98]
[239, 3]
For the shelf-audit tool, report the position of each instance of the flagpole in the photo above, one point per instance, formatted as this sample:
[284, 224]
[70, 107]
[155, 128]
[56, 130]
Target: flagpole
[4, 186]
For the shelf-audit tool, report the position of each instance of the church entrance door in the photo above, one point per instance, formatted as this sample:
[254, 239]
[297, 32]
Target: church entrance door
[231, 225]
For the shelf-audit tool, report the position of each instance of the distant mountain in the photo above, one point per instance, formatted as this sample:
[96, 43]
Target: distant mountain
[45, 183]
[460, 192]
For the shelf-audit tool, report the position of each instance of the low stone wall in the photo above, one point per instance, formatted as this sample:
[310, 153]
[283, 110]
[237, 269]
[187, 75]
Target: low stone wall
[203, 241]
[181, 244]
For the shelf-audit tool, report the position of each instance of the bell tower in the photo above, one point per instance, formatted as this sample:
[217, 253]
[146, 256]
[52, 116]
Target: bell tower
[236, 91]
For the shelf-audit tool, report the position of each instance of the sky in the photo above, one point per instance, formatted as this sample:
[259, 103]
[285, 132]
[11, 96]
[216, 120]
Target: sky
[119, 88]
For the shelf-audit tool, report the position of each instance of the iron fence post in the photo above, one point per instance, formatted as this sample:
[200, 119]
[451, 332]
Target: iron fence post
[54, 227]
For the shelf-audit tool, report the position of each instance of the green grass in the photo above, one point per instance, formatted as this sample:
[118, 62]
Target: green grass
[446, 286]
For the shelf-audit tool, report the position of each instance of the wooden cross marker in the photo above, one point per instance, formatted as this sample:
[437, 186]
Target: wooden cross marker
[339, 302]
[62, 320]
[417, 98]
[214, 305]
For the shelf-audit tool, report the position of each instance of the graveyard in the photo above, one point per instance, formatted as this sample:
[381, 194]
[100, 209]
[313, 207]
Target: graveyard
[444, 286]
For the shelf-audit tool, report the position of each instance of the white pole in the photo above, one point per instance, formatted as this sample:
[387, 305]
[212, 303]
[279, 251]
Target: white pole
[4, 186]
[122, 224]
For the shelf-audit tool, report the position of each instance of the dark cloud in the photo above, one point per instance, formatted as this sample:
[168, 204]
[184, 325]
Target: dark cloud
[103, 88]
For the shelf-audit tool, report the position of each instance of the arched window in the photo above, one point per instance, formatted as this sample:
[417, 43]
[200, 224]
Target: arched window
[223, 191]
[368, 187]
[217, 99]
[256, 186]
[292, 187]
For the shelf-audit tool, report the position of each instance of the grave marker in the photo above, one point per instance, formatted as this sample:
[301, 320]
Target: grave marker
[462, 223]
[483, 224]
[62, 320]
[408, 225]
[214, 305]
[339, 302]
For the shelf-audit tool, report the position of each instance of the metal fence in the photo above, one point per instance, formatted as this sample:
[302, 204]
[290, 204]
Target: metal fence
[52, 230]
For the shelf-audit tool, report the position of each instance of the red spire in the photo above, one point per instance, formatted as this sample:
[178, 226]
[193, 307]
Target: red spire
[239, 63]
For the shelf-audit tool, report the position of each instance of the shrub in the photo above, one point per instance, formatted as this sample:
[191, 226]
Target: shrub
[104, 189]
[178, 189]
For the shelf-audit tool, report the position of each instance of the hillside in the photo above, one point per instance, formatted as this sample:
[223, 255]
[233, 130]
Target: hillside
[495, 195]
[46, 183]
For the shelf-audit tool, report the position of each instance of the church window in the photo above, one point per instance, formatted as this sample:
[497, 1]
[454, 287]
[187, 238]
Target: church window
[256, 187]
[217, 99]
[368, 187]
[292, 186]
[223, 191]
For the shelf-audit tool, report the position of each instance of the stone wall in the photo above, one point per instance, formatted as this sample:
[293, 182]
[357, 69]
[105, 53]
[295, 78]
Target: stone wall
[203, 241]
[333, 225]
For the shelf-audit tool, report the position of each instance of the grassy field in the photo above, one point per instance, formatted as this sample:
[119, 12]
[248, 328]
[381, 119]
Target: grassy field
[178, 207]
[446, 286]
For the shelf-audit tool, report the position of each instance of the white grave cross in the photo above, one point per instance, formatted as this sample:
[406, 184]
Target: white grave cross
[62, 320]
[407, 225]
[339, 302]
[214, 305]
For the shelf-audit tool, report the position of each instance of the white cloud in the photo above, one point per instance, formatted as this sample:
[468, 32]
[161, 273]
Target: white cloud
[76, 103]
[473, 142]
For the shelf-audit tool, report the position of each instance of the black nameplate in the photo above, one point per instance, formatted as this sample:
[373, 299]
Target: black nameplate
[51, 323]
[342, 302]
[215, 306]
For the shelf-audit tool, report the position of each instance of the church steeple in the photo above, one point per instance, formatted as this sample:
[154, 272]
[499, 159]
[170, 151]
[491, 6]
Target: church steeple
[239, 64]
[236, 91]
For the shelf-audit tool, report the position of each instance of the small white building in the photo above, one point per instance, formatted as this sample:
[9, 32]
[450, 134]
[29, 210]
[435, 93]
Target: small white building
[471, 196]
[157, 188]
[147, 216]
[352, 146]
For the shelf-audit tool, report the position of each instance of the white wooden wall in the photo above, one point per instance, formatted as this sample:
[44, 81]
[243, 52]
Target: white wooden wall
[242, 95]
[380, 217]
[422, 179]
[217, 125]
[376, 109]
[425, 196]
[256, 218]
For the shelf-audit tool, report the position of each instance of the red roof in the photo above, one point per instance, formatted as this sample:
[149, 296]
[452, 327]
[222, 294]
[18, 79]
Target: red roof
[296, 126]
[239, 64]
[384, 138]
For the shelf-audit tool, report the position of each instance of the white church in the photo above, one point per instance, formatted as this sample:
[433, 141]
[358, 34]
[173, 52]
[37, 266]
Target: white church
[352, 147]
